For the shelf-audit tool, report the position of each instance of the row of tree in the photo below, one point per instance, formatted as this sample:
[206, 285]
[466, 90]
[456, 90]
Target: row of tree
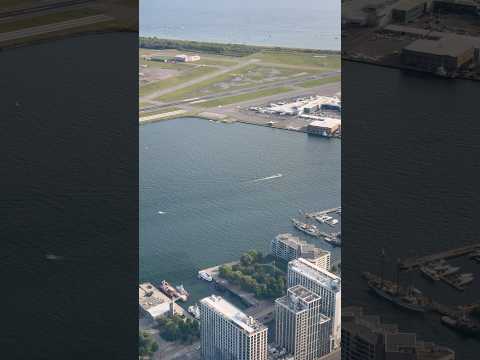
[178, 328]
[253, 275]
[146, 345]
[215, 48]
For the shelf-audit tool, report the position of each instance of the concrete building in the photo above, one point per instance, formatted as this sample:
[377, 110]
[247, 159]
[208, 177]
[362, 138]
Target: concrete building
[226, 333]
[457, 6]
[409, 10]
[325, 127]
[288, 247]
[323, 283]
[449, 53]
[153, 303]
[365, 337]
[187, 58]
[300, 326]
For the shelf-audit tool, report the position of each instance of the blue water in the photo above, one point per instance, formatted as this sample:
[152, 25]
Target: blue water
[302, 23]
[199, 174]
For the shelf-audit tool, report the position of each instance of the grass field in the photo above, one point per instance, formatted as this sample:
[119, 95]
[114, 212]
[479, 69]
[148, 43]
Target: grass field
[313, 83]
[173, 81]
[243, 97]
[249, 75]
[325, 62]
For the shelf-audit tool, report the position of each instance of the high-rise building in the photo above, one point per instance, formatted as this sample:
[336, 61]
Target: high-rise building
[288, 247]
[365, 337]
[300, 326]
[323, 283]
[227, 333]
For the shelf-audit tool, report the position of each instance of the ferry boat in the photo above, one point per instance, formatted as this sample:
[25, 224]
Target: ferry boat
[205, 276]
[170, 291]
[308, 229]
[195, 311]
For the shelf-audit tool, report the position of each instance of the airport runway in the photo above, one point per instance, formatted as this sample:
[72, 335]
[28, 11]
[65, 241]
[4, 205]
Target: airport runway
[49, 28]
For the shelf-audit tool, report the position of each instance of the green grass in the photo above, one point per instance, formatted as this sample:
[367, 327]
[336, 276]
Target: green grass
[299, 58]
[47, 19]
[313, 83]
[161, 111]
[176, 80]
[251, 74]
[243, 97]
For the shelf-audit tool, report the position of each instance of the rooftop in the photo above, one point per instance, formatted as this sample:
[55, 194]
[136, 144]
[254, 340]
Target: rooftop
[324, 277]
[408, 4]
[446, 46]
[153, 300]
[232, 313]
[294, 241]
[326, 123]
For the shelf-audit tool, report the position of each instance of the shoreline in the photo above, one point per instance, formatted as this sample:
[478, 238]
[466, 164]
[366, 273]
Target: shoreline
[405, 68]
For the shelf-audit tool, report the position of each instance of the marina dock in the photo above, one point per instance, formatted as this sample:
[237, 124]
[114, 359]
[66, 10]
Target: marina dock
[322, 212]
[411, 263]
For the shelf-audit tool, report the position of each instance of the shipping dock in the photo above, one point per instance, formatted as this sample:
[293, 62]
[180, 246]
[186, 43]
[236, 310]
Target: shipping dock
[412, 263]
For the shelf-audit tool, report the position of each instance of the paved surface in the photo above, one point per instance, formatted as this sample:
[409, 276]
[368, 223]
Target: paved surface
[186, 84]
[45, 29]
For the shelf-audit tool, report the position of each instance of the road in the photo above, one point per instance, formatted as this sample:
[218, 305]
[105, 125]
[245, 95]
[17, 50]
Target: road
[198, 80]
[45, 29]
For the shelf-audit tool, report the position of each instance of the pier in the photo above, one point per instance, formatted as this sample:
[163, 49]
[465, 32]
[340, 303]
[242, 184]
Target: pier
[322, 212]
[411, 263]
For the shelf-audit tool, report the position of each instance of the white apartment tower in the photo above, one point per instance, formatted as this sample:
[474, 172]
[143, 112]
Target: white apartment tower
[226, 333]
[300, 326]
[323, 283]
[288, 247]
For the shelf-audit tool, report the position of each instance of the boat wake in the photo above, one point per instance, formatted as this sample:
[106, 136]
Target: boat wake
[161, 212]
[267, 178]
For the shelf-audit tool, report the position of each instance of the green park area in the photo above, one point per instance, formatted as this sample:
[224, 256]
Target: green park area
[257, 274]
[179, 329]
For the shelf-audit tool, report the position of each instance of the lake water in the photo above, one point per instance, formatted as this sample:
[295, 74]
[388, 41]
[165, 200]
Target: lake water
[200, 174]
[303, 23]
[420, 144]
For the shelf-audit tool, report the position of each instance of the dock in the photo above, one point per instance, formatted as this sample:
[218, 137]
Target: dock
[311, 215]
[411, 263]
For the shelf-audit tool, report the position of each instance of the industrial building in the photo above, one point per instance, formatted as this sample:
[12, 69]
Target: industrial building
[448, 54]
[457, 6]
[187, 58]
[365, 337]
[288, 247]
[227, 333]
[323, 283]
[324, 127]
[300, 326]
[153, 303]
[409, 10]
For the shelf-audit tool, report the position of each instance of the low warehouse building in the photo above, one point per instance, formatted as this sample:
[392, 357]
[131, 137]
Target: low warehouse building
[446, 54]
[326, 127]
[408, 10]
[187, 58]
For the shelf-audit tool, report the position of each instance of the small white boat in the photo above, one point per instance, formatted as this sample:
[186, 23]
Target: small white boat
[205, 276]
